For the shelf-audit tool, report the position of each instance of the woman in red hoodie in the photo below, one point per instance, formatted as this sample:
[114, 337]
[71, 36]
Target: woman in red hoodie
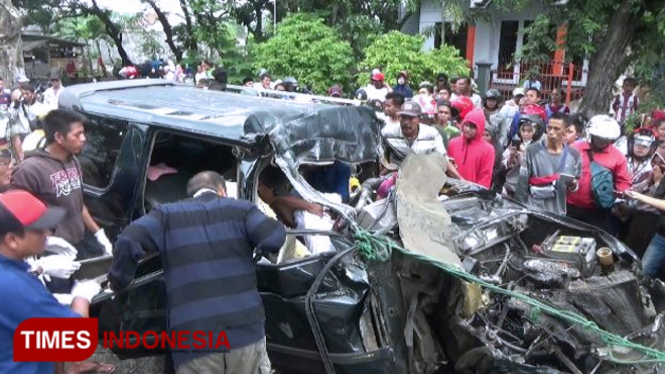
[473, 156]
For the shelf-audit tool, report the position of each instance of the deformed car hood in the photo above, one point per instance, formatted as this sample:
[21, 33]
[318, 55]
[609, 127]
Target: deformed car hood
[335, 133]
[322, 134]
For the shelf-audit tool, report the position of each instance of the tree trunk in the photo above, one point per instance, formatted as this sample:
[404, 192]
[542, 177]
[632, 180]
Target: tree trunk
[609, 61]
[335, 11]
[168, 30]
[116, 35]
[258, 30]
[111, 29]
[11, 46]
[190, 44]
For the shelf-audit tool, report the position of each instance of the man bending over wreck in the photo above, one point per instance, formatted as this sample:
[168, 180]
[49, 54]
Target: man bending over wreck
[207, 241]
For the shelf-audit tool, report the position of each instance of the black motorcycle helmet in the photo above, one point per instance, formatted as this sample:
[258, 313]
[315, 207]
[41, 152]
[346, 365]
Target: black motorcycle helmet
[537, 122]
[494, 94]
[361, 95]
[291, 84]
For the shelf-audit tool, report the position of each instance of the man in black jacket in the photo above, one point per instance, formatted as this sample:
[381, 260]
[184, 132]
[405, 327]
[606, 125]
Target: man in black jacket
[206, 244]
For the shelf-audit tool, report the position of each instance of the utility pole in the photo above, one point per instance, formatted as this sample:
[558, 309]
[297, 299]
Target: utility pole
[274, 16]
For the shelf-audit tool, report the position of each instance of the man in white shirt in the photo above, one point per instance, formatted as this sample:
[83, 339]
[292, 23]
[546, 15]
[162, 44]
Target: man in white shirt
[410, 136]
[377, 90]
[52, 94]
[464, 89]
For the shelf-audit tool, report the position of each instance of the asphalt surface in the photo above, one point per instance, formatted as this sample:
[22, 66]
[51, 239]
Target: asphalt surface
[148, 365]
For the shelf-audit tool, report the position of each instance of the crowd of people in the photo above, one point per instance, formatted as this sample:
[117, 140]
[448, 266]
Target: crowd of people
[531, 147]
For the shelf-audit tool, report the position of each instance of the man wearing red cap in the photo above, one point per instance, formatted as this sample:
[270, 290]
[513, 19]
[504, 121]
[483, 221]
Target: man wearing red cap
[377, 89]
[473, 156]
[25, 222]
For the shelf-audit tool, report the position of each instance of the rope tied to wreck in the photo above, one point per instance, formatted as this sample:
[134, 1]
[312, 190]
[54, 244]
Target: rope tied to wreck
[379, 248]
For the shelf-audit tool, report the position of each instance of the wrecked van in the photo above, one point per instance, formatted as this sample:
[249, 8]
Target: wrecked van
[402, 291]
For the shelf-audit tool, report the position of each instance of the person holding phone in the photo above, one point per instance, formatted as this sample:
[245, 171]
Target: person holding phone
[550, 169]
[513, 157]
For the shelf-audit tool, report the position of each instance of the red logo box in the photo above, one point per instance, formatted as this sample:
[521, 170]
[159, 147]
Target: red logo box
[55, 339]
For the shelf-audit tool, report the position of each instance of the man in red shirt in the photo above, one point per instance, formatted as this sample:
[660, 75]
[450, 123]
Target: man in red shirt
[473, 156]
[603, 130]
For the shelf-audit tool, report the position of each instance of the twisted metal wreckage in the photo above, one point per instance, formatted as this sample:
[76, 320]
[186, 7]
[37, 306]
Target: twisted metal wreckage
[430, 279]
[482, 285]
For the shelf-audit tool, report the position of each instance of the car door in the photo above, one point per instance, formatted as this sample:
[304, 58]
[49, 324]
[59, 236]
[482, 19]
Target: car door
[140, 308]
[111, 164]
[325, 295]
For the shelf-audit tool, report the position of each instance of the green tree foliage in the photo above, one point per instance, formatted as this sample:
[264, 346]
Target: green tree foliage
[395, 51]
[234, 57]
[210, 25]
[358, 21]
[384, 12]
[304, 47]
[360, 31]
[38, 12]
[88, 30]
[150, 45]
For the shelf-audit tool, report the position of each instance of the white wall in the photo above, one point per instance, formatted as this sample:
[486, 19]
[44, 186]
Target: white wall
[488, 35]
[487, 42]
[411, 26]
[430, 14]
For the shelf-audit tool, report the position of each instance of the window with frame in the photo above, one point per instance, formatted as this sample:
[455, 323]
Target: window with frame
[104, 137]
[508, 42]
[445, 34]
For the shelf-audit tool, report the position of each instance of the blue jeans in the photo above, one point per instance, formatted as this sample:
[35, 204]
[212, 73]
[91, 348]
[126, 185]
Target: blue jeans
[654, 257]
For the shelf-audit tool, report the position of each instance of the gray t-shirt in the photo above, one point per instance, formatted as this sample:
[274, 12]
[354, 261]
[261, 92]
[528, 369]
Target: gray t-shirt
[539, 163]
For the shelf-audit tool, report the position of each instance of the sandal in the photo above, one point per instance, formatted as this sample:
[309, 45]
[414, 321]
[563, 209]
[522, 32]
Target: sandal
[90, 367]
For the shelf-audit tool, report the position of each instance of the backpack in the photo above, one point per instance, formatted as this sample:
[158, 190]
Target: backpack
[602, 183]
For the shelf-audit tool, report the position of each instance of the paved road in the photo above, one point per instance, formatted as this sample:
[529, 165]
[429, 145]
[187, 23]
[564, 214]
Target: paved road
[148, 365]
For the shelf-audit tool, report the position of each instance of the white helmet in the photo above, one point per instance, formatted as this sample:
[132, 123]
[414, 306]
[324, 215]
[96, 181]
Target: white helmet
[604, 126]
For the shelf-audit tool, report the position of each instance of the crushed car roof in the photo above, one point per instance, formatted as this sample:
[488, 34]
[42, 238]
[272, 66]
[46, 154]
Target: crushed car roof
[238, 118]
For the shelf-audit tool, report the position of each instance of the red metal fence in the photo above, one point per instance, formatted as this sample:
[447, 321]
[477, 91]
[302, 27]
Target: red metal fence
[552, 75]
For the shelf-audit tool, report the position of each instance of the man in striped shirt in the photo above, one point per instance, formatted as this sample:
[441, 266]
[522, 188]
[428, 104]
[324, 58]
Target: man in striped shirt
[206, 245]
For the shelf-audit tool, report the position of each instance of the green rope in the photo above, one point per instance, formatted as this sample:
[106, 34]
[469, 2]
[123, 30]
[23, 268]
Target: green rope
[373, 248]
[376, 248]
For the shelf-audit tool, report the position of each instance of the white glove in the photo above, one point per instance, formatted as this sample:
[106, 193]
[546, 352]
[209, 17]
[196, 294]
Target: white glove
[64, 298]
[86, 290]
[60, 246]
[58, 266]
[104, 241]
